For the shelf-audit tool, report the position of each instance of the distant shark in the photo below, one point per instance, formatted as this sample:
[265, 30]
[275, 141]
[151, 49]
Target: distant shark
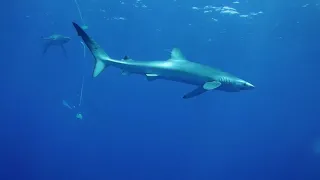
[177, 68]
[55, 40]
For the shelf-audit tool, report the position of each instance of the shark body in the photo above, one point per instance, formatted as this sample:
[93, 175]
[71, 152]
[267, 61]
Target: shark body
[55, 40]
[177, 68]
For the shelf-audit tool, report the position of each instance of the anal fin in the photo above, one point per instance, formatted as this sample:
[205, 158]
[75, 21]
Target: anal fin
[125, 73]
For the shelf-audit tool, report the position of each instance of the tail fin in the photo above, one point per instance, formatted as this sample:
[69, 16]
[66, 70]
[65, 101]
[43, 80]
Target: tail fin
[100, 56]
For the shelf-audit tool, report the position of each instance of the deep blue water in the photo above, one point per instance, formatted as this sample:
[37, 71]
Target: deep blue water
[135, 129]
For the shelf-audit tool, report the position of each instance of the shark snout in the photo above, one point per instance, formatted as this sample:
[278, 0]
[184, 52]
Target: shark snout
[249, 85]
[244, 85]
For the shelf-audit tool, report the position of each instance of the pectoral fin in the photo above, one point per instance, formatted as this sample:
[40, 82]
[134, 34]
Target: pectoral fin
[45, 48]
[202, 89]
[199, 90]
[64, 51]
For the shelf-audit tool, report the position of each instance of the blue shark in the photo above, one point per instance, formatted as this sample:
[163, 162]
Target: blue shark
[55, 40]
[177, 68]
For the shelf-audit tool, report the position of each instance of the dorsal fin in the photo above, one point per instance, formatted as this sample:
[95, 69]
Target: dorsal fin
[126, 58]
[176, 54]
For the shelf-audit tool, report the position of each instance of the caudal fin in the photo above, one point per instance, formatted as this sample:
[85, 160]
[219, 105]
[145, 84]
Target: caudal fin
[100, 56]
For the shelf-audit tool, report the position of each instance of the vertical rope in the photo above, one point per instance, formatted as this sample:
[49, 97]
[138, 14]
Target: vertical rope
[84, 49]
[79, 11]
[80, 101]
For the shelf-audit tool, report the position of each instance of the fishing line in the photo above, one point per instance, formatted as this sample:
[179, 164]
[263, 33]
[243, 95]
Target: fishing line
[84, 49]
[84, 55]
[84, 26]
[80, 101]
[79, 114]
[79, 11]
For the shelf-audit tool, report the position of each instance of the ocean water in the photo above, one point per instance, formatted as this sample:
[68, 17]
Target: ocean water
[133, 129]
